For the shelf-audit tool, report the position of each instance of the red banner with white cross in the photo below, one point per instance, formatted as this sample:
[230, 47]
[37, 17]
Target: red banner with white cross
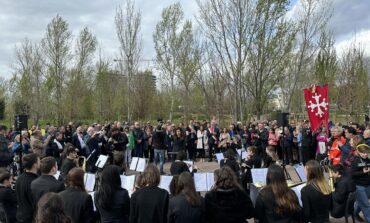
[317, 105]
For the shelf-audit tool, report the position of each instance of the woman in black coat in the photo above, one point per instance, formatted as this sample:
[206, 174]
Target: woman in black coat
[227, 201]
[112, 201]
[178, 141]
[78, 203]
[277, 202]
[187, 205]
[316, 195]
[149, 203]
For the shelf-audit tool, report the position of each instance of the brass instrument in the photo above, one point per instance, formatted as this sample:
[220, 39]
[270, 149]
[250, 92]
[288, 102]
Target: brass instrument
[81, 164]
[331, 180]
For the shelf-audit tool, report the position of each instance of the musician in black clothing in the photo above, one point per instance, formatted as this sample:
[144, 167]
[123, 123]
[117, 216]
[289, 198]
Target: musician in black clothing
[31, 164]
[7, 195]
[343, 186]
[229, 160]
[70, 160]
[179, 165]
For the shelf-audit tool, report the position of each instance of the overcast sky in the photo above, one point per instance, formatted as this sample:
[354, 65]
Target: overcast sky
[28, 18]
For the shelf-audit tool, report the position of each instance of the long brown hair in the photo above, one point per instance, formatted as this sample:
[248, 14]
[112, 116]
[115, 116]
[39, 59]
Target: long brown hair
[285, 199]
[225, 178]
[50, 208]
[186, 186]
[75, 179]
[315, 177]
[150, 177]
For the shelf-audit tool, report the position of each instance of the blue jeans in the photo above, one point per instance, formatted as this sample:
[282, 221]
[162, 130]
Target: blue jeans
[362, 197]
[159, 154]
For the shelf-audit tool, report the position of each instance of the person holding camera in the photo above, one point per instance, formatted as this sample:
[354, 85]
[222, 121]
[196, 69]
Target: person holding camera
[360, 169]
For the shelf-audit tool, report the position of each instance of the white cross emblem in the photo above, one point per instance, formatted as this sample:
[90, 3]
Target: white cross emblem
[318, 105]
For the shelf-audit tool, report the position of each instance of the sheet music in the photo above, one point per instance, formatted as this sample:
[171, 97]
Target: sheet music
[141, 165]
[134, 162]
[242, 153]
[165, 182]
[128, 182]
[101, 161]
[219, 157]
[190, 165]
[89, 181]
[259, 176]
[300, 171]
[297, 191]
[57, 175]
[210, 181]
[200, 180]
[92, 194]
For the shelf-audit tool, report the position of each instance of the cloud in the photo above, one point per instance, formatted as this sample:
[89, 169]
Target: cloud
[21, 19]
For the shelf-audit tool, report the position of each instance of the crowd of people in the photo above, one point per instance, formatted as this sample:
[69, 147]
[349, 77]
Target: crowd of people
[34, 156]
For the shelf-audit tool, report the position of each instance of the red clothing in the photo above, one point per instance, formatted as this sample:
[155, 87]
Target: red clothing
[335, 153]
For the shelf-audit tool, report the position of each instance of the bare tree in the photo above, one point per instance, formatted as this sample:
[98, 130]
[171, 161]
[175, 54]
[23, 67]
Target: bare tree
[166, 44]
[56, 45]
[229, 25]
[128, 31]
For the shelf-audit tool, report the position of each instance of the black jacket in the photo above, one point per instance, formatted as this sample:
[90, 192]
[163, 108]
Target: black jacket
[159, 136]
[265, 209]
[78, 205]
[120, 208]
[43, 185]
[9, 200]
[232, 206]
[178, 167]
[316, 205]
[181, 211]
[66, 167]
[358, 175]
[24, 197]
[232, 164]
[343, 187]
[149, 204]
[178, 144]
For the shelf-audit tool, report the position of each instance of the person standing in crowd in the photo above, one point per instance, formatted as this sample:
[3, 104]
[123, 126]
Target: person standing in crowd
[287, 146]
[345, 149]
[169, 140]
[6, 157]
[277, 202]
[273, 139]
[77, 203]
[112, 201]
[129, 146]
[68, 135]
[46, 182]
[360, 171]
[367, 136]
[179, 165]
[118, 142]
[224, 140]
[148, 142]
[7, 196]
[201, 139]
[316, 195]
[31, 164]
[307, 143]
[186, 205]
[246, 137]
[178, 141]
[78, 141]
[139, 140]
[158, 144]
[37, 145]
[56, 148]
[149, 203]
[336, 142]
[191, 138]
[343, 185]
[321, 139]
[69, 161]
[227, 201]
[213, 134]
[51, 209]
[261, 137]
